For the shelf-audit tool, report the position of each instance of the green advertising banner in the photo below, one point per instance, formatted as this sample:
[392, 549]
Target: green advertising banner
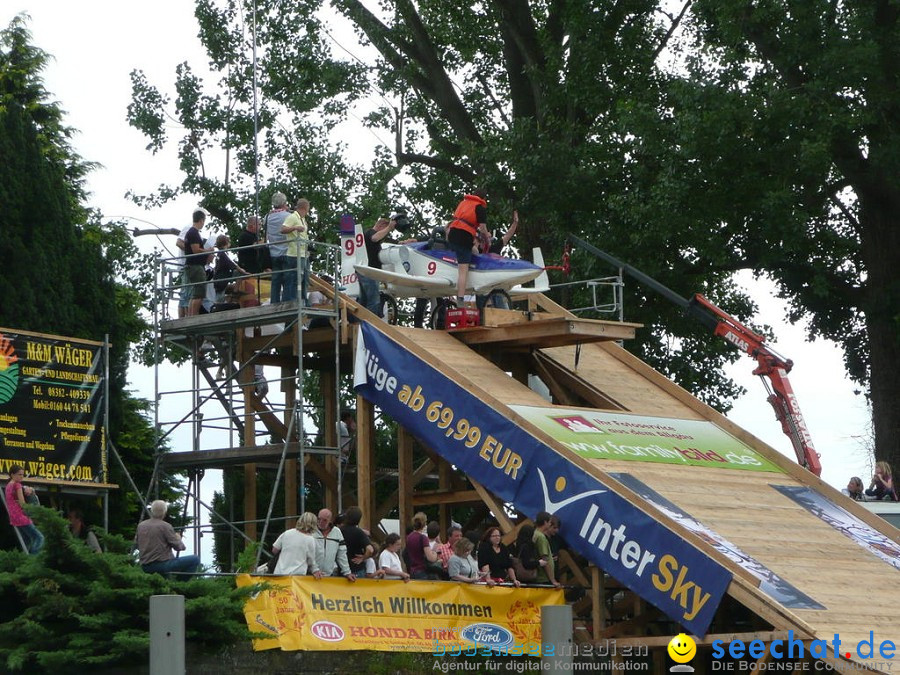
[605, 435]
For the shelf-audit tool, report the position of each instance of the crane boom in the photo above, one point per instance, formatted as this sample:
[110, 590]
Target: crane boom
[771, 367]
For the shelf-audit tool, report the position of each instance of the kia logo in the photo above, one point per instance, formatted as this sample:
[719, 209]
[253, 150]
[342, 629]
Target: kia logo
[327, 631]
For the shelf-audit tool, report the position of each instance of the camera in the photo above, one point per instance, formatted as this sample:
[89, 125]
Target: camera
[402, 221]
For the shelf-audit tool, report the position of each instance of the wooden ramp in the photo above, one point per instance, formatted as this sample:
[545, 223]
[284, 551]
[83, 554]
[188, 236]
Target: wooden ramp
[826, 580]
[744, 508]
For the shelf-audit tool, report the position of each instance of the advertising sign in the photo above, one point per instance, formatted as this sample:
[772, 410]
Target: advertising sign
[844, 522]
[51, 406]
[616, 535]
[781, 590]
[613, 435]
[299, 612]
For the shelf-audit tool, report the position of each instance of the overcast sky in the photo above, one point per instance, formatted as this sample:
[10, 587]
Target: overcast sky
[95, 45]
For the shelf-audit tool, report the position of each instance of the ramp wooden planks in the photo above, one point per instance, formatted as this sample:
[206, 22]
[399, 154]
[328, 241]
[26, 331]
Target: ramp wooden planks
[858, 590]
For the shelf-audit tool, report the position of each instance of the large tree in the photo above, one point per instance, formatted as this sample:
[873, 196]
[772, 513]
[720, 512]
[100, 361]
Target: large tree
[62, 271]
[542, 103]
[782, 134]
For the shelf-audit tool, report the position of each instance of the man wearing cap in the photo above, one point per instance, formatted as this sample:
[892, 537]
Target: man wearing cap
[369, 293]
[278, 245]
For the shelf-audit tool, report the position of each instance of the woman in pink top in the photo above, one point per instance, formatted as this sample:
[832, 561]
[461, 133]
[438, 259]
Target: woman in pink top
[15, 500]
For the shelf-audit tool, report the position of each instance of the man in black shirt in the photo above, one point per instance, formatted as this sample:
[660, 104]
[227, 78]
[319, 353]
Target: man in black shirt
[359, 546]
[248, 258]
[369, 293]
[195, 257]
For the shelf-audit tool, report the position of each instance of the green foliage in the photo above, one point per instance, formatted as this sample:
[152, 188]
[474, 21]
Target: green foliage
[68, 609]
[64, 272]
[783, 146]
[544, 104]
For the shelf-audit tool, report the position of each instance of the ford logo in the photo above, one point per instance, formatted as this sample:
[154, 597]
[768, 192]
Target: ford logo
[487, 634]
[327, 631]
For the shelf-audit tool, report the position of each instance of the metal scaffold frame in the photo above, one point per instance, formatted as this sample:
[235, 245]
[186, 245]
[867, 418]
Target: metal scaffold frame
[245, 340]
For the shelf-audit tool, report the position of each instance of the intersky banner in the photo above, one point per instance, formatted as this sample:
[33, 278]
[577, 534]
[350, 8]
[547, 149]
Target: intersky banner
[621, 539]
[51, 406]
[612, 435]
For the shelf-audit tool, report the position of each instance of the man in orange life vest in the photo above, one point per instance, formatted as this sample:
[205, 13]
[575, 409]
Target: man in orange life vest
[470, 217]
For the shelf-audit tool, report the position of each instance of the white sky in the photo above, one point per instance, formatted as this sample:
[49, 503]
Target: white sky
[95, 44]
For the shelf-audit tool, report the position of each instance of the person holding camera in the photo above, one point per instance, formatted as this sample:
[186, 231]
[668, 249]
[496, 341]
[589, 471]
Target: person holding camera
[369, 292]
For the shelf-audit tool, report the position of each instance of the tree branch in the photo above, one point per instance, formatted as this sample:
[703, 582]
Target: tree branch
[441, 89]
[672, 28]
[497, 105]
[439, 163]
[526, 61]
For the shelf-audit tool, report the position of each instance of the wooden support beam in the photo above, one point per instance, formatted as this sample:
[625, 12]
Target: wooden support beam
[567, 562]
[441, 497]
[568, 381]
[330, 420]
[329, 480]
[392, 501]
[629, 627]
[365, 460]
[445, 472]
[250, 500]
[406, 482]
[290, 466]
[561, 395]
[270, 421]
[249, 440]
[598, 596]
[494, 505]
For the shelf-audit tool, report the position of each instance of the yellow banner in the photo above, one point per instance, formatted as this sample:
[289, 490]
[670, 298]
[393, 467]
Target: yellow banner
[385, 615]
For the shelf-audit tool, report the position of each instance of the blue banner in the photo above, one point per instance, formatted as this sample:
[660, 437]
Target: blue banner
[632, 547]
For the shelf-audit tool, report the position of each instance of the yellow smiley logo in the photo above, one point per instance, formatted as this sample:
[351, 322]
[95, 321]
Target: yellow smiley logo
[682, 648]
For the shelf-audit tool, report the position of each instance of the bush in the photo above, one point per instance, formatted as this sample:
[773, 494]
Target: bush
[69, 609]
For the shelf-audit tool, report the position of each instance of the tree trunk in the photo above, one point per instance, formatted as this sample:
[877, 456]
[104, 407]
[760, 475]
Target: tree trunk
[881, 252]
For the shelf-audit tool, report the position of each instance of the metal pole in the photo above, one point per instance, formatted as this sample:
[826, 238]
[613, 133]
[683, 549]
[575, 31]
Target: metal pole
[167, 635]
[337, 377]
[556, 639]
[104, 459]
[255, 126]
[298, 407]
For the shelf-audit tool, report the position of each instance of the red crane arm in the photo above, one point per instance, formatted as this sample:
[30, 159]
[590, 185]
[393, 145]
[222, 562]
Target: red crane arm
[773, 369]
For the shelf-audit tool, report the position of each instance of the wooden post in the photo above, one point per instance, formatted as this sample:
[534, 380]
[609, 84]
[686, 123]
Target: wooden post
[246, 378]
[520, 370]
[445, 473]
[290, 465]
[405, 484]
[330, 420]
[365, 460]
[597, 599]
